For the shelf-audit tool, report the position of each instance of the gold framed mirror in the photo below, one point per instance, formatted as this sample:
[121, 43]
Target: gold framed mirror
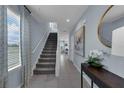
[103, 40]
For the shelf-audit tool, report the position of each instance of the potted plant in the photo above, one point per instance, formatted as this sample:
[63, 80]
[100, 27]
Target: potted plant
[95, 58]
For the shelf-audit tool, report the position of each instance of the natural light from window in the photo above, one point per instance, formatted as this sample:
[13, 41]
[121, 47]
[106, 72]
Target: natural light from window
[13, 24]
[53, 26]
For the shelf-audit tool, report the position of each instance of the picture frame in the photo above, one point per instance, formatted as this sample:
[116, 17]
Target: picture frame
[79, 41]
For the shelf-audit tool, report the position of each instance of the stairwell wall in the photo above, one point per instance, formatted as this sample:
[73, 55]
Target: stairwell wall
[39, 34]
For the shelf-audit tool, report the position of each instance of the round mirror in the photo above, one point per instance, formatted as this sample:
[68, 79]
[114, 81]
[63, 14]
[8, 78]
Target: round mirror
[112, 19]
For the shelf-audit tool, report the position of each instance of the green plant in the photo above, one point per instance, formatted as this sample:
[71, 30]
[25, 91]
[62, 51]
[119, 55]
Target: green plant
[95, 58]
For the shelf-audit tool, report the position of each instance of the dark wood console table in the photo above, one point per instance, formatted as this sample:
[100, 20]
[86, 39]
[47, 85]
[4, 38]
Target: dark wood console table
[101, 77]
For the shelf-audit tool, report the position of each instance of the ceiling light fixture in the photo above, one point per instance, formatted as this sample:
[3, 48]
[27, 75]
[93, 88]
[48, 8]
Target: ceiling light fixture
[67, 20]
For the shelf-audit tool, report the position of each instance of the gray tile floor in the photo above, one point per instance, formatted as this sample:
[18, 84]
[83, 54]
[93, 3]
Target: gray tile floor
[69, 77]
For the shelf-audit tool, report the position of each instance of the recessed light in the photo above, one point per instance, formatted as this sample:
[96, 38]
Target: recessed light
[67, 20]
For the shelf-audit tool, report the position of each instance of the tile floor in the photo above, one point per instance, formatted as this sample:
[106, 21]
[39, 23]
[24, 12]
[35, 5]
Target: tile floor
[69, 77]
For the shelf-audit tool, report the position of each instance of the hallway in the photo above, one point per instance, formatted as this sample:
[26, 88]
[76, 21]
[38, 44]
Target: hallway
[69, 77]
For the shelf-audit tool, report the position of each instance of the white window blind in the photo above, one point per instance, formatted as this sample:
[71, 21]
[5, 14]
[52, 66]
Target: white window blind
[13, 25]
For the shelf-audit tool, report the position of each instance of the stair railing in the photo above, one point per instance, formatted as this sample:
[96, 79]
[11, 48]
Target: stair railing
[57, 67]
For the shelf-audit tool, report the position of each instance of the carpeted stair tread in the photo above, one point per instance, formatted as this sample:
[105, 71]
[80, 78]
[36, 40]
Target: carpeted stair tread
[47, 61]
[45, 65]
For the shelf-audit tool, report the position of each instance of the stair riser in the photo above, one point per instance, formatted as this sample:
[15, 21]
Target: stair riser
[52, 36]
[48, 52]
[50, 44]
[54, 47]
[52, 39]
[45, 65]
[48, 56]
[43, 72]
[47, 60]
[50, 49]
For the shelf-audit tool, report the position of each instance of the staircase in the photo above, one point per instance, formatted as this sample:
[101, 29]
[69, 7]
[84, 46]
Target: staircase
[46, 62]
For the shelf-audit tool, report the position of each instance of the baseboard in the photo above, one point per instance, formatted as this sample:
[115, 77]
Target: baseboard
[20, 86]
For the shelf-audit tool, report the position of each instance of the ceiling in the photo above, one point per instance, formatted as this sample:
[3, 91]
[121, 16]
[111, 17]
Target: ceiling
[59, 14]
[115, 13]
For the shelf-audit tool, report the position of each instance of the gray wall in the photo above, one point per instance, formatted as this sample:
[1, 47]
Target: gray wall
[14, 78]
[92, 17]
[106, 31]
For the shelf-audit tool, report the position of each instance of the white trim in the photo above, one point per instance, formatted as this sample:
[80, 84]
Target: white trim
[12, 68]
[58, 54]
[38, 43]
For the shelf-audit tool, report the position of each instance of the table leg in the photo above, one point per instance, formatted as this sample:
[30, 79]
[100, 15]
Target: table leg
[81, 77]
[91, 83]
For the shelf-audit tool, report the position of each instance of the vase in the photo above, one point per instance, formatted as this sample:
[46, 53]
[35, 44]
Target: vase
[96, 65]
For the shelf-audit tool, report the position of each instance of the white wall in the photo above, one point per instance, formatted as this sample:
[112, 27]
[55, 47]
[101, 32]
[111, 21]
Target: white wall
[118, 42]
[92, 16]
[39, 34]
[64, 36]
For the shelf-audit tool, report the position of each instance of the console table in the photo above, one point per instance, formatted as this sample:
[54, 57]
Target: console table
[101, 77]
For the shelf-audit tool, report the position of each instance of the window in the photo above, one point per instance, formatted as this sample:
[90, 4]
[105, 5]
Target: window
[53, 26]
[13, 24]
